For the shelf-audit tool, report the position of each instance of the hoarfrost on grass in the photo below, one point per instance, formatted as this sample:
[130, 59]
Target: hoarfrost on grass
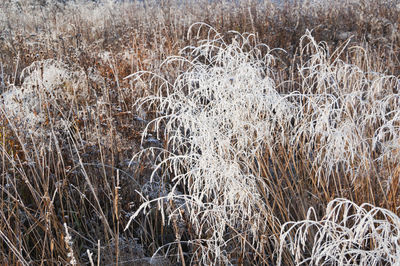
[225, 110]
[348, 234]
[217, 117]
[44, 103]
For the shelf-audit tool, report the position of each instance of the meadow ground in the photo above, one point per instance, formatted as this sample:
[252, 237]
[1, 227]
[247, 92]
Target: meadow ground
[199, 132]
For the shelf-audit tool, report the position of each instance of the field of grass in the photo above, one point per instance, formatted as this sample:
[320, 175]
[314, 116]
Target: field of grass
[200, 132]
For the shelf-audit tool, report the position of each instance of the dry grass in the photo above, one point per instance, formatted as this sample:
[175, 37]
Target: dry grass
[348, 234]
[216, 155]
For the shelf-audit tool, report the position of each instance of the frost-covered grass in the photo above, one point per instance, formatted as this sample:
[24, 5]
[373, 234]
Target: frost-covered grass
[348, 234]
[130, 134]
[225, 123]
[217, 117]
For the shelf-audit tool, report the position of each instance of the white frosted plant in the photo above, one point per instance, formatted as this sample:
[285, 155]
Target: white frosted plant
[348, 234]
[48, 87]
[224, 111]
[346, 113]
[69, 246]
[217, 117]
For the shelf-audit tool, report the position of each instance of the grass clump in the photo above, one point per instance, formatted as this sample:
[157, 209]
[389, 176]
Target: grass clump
[217, 117]
[249, 154]
[348, 234]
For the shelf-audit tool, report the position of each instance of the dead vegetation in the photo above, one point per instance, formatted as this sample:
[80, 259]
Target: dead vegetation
[229, 144]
